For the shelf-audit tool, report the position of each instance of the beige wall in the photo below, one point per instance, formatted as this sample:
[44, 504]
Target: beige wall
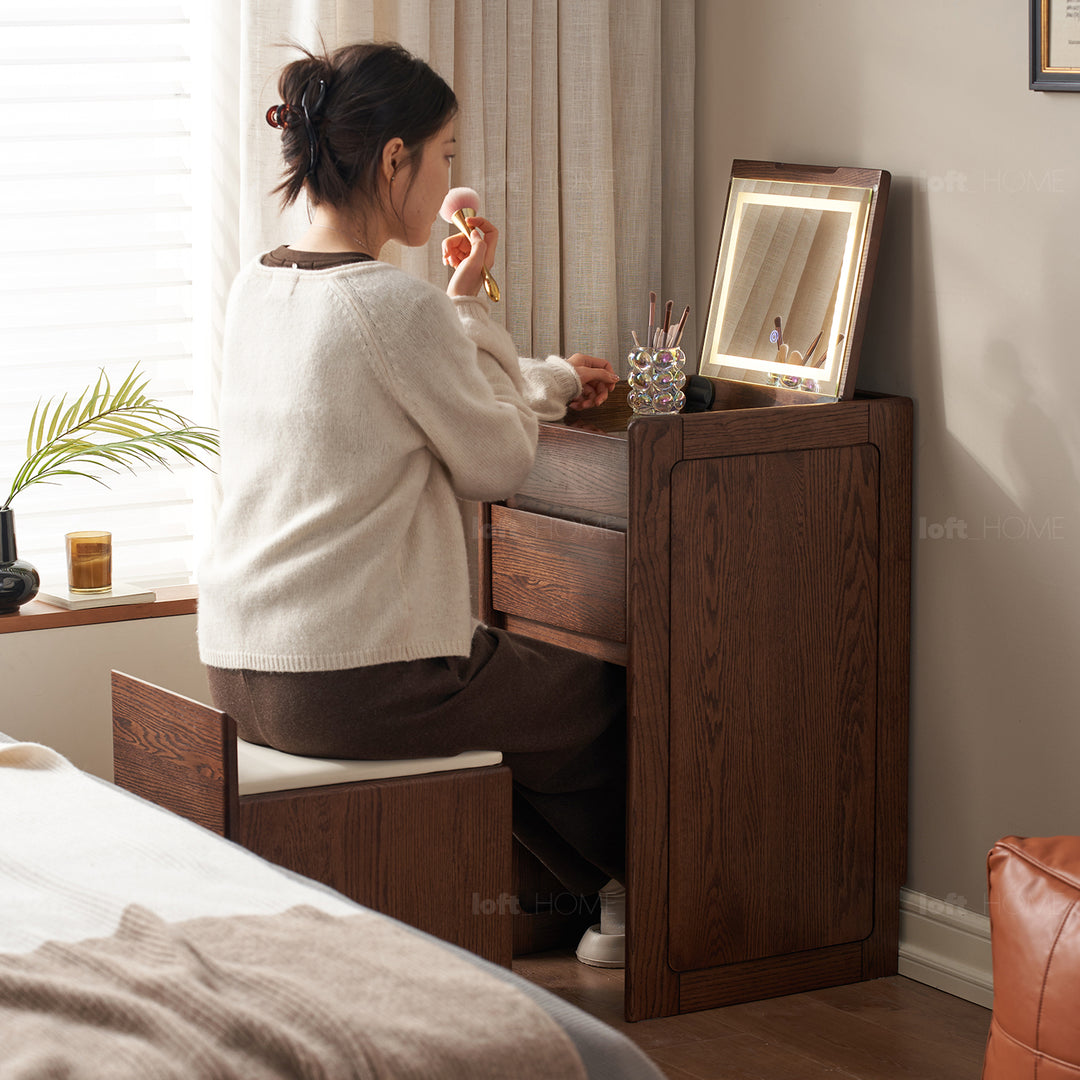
[974, 316]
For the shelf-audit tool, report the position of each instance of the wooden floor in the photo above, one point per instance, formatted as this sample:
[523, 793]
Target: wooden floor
[886, 1029]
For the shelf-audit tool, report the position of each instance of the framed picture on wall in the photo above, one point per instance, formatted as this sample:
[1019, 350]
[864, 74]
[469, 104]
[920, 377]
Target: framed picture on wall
[1055, 45]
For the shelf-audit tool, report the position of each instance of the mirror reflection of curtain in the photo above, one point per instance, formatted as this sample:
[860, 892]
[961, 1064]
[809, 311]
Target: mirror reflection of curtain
[576, 129]
[786, 263]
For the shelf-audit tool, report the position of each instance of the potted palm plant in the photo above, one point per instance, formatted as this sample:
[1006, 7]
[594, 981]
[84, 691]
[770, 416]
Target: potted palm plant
[102, 431]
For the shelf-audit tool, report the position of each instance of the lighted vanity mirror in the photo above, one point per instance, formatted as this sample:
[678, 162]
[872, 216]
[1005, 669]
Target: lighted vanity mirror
[793, 276]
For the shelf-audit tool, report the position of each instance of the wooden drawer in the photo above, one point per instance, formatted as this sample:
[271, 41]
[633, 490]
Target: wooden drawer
[558, 573]
[560, 487]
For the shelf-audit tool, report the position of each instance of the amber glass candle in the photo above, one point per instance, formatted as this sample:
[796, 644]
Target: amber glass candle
[89, 560]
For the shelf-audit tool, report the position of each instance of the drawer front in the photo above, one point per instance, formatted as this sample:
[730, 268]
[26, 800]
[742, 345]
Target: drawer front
[560, 573]
[559, 486]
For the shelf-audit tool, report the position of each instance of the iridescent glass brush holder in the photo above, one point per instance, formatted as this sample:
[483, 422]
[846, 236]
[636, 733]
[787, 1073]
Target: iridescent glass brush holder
[657, 378]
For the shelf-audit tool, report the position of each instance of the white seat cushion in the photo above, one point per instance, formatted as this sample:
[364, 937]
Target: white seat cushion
[260, 769]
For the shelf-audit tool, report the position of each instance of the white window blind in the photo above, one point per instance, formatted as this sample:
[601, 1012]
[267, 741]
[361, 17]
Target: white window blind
[100, 220]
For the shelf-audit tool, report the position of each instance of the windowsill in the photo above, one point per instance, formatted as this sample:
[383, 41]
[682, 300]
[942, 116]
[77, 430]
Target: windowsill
[171, 600]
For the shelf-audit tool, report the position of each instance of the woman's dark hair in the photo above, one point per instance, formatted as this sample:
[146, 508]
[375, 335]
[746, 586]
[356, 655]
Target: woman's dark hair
[341, 108]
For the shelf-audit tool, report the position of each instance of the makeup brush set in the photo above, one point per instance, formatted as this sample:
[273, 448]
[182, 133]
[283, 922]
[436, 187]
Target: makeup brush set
[657, 377]
[786, 355]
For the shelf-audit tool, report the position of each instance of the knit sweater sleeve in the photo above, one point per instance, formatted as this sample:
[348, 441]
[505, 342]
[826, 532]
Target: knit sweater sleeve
[456, 375]
[549, 385]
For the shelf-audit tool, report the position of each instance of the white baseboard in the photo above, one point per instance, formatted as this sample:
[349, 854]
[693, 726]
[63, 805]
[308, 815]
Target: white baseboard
[946, 946]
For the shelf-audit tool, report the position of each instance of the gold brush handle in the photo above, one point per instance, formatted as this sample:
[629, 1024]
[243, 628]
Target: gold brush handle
[489, 282]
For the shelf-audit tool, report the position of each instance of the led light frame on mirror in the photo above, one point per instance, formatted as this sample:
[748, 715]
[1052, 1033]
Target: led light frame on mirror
[859, 193]
[842, 309]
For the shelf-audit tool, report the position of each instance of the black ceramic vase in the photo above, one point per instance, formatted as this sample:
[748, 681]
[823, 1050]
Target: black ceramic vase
[19, 581]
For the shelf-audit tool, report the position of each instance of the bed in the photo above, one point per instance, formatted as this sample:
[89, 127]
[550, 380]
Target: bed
[134, 943]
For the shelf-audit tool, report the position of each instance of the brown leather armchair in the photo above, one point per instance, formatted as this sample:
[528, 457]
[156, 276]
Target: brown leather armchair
[1035, 937]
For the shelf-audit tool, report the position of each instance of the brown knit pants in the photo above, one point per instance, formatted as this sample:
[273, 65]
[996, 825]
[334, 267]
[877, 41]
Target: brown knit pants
[558, 717]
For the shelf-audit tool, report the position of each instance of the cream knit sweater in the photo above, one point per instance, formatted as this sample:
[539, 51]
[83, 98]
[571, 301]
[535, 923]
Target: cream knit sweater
[357, 406]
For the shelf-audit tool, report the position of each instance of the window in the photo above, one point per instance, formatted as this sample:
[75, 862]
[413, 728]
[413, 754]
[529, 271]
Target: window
[102, 225]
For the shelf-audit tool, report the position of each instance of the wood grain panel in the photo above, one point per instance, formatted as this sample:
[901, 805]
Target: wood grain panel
[774, 704]
[559, 486]
[769, 431]
[891, 429]
[37, 615]
[434, 851]
[837, 176]
[652, 988]
[559, 572]
[175, 752]
[774, 977]
[613, 651]
[485, 610]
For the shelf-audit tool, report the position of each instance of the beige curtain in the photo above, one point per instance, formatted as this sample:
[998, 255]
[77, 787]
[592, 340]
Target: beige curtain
[576, 129]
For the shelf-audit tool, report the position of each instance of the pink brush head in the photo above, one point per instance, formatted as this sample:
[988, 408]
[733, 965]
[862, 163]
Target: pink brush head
[463, 198]
[459, 198]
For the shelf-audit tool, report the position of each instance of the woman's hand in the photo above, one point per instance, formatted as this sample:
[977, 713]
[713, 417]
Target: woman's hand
[469, 256]
[597, 378]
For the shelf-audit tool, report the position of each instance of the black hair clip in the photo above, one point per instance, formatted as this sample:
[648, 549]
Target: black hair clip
[313, 145]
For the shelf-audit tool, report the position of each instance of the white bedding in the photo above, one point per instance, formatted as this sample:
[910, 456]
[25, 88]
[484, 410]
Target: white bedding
[75, 852]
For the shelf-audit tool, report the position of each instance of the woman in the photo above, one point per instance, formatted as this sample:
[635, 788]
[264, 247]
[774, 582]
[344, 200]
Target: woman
[357, 406]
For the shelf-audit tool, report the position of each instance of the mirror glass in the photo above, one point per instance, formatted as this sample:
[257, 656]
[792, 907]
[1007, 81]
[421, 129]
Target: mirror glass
[789, 273]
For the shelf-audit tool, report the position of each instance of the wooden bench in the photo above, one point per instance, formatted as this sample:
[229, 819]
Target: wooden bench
[428, 842]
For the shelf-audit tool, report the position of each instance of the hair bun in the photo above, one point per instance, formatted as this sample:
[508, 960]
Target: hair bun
[341, 109]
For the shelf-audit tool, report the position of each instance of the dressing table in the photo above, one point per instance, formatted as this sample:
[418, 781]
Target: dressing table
[749, 565]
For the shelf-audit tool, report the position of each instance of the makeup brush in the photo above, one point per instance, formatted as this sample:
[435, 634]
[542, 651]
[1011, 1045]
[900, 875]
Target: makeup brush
[460, 203]
[677, 332]
[820, 361]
